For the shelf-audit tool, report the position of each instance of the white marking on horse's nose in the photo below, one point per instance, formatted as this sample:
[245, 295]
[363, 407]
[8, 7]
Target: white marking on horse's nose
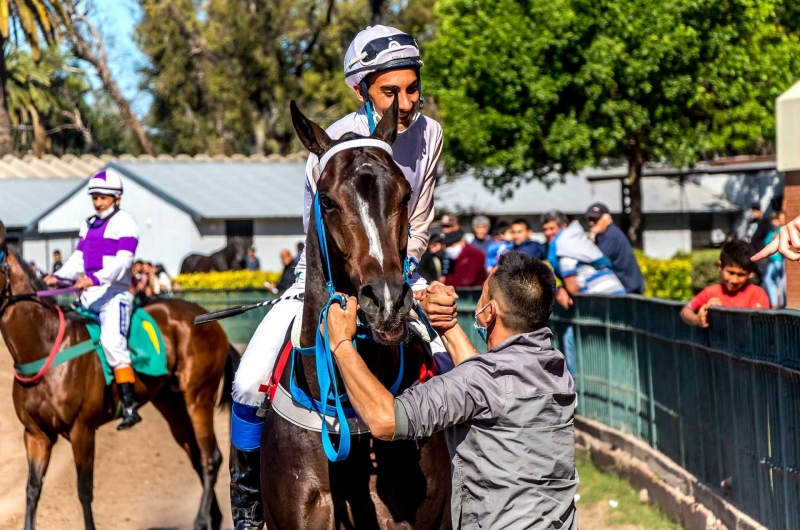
[387, 300]
[375, 249]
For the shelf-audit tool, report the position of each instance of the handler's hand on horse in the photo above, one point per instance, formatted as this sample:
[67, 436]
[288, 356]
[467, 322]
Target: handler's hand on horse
[342, 322]
[50, 280]
[787, 243]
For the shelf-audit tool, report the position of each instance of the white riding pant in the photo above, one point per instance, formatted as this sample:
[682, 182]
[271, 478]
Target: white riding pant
[115, 307]
[264, 348]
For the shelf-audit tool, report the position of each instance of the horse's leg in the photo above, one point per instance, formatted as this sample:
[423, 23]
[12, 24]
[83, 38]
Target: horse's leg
[38, 446]
[82, 439]
[200, 406]
[172, 406]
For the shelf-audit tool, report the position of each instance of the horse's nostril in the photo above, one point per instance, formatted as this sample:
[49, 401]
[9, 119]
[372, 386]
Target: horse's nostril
[369, 301]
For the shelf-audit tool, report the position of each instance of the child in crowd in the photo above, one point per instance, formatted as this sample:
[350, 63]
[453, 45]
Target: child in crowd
[735, 269]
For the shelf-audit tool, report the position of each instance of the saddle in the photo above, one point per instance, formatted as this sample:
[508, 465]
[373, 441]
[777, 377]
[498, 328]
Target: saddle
[145, 343]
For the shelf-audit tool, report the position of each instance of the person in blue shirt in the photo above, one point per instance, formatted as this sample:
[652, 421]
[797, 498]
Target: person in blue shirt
[521, 237]
[481, 226]
[613, 243]
[501, 243]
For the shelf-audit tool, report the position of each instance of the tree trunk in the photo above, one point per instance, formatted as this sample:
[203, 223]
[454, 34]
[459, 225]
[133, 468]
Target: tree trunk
[6, 145]
[633, 185]
[376, 8]
[83, 50]
[39, 135]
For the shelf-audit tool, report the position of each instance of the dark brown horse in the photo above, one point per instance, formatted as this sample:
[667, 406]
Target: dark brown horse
[229, 258]
[381, 485]
[72, 399]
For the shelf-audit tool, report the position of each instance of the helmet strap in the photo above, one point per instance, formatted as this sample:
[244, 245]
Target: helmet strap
[368, 105]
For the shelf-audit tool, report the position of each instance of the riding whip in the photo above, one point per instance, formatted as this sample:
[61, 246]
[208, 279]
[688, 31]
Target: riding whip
[233, 311]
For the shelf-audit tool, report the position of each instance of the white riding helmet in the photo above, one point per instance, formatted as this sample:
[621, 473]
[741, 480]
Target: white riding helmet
[379, 48]
[107, 182]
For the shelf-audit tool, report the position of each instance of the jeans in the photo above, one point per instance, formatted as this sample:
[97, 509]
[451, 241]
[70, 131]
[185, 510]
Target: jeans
[775, 283]
[569, 349]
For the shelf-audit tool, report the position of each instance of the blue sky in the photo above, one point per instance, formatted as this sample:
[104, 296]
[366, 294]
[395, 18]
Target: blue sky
[116, 20]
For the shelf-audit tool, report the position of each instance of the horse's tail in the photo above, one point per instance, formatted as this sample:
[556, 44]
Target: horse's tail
[231, 365]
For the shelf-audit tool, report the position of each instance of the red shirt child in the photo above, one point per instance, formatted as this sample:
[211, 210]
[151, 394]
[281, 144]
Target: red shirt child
[733, 290]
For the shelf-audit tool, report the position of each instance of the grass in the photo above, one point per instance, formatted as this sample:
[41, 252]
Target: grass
[597, 488]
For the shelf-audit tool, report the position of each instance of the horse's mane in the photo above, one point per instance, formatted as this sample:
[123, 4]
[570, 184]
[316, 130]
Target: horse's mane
[36, 282]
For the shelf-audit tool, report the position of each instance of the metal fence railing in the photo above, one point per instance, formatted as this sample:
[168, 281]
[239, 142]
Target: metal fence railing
[724, 403]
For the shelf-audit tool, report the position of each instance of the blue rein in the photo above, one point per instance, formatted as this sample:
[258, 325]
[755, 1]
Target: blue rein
[326, 374]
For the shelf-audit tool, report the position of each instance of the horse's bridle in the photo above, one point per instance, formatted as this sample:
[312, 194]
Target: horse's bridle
[6, 296]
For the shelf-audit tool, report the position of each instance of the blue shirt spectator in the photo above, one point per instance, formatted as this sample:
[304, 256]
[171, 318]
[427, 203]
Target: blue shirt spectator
[501, 243]
[480, 227]
[613, 243]
[521, 237]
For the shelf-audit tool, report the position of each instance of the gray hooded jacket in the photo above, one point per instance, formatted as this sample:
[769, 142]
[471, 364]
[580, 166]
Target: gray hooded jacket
[507, 416]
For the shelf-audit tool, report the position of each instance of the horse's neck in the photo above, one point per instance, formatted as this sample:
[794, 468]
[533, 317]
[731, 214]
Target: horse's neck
[29, 328]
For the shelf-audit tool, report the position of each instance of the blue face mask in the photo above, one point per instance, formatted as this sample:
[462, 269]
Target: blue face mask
[482, 330]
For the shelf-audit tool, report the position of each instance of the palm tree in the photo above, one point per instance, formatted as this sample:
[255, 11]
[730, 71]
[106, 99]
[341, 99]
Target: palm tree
[37, 20]
[30, 95]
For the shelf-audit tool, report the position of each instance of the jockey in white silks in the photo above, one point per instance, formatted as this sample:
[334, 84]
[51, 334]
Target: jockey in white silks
[378, 60]
[103, 259]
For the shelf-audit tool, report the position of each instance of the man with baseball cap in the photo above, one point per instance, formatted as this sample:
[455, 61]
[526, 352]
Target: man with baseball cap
[449, 223]
[616, 247]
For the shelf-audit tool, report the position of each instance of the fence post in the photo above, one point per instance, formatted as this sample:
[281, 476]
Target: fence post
[610, 359]
[651, 397]
[784, 427]
[579, 351]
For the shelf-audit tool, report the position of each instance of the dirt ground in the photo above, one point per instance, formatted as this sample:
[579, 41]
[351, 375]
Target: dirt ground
[143, 480]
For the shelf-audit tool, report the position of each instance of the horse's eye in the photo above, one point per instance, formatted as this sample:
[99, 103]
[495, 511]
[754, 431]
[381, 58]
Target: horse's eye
[326, 202]
[406, 199]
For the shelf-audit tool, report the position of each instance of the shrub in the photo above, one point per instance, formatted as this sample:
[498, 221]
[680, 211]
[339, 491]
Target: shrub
[670, 279]
[243, 279]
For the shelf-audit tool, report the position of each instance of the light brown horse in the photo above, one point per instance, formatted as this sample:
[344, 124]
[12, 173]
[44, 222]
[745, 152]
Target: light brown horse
[72, 399]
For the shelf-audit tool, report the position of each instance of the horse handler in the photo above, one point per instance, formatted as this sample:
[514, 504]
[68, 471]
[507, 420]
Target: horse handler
[507, 414]
[102, 264]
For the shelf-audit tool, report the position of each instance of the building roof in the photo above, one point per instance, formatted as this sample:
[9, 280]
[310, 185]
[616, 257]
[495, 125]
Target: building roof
[26, 198]
[224, 190]
[71, 166]
[575, 194]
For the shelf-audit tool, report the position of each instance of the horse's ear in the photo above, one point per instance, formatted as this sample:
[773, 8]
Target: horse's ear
[312, 136]
[387, 127]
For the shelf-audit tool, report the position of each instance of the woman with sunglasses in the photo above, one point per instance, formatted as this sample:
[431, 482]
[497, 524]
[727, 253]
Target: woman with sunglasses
[380, 62]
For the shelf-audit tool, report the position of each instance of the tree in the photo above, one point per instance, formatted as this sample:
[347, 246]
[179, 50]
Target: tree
[30, 95]
[222, 72]
[38, 20]
[529, 88]
[87, 44]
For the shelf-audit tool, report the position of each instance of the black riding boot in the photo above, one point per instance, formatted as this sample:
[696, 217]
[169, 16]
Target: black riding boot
[246, 507]
[130, 416]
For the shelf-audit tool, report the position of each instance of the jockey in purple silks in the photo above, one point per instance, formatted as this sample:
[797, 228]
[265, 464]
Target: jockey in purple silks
[102, 264]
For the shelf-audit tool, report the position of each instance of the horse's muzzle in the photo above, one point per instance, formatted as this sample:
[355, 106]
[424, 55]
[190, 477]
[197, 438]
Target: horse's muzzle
[386, 306]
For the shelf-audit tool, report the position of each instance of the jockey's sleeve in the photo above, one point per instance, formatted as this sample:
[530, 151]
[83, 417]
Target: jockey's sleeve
[422, 216]
[72, 267]
[74, 264]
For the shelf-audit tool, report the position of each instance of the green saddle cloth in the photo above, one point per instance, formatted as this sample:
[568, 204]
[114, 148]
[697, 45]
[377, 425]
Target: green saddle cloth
[148, 355]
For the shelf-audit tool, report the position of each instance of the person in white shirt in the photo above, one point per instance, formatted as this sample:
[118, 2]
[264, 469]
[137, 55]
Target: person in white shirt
[380, 62]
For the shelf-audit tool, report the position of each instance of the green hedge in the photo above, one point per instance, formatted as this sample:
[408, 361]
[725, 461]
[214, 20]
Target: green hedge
[681, 277]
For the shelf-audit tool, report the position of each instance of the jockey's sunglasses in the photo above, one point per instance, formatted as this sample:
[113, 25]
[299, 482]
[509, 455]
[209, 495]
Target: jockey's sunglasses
[377, 46]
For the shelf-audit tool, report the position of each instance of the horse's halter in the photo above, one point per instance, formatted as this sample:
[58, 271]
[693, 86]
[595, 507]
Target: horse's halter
[6, 296]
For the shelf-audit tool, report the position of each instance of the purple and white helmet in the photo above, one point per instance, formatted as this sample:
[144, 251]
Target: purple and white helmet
[108, 182]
